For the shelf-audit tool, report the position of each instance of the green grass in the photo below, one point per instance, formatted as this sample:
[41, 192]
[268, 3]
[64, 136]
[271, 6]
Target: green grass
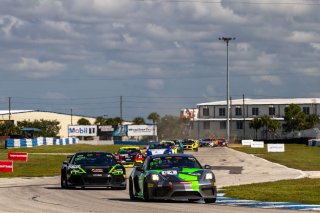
[47, 160]
[296, 156]
[301, 191]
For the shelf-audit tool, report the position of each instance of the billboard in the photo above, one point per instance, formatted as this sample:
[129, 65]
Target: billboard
[189, 113]
[120, 131]
[142, 130]
[82, 130]
[105, 130]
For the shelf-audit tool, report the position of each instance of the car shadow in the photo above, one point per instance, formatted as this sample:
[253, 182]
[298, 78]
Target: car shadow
[152, 201]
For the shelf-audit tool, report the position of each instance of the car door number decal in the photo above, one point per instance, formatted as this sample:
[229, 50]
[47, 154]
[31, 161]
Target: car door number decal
[169, 172]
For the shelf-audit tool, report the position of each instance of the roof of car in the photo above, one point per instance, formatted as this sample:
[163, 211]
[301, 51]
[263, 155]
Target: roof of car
[165, 155]
[92, 152]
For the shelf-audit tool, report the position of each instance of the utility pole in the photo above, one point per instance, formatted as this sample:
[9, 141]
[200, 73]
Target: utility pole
[71, 116]
[227, 40]
[121, 109]
[9, 109]
[244, 118]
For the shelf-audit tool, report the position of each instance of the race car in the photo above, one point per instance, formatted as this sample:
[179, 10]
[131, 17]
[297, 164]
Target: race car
[93, 169]
[160, 148]
[190, 144]
[175, 145]
[172, 177]
[129, 156]
[220, 142]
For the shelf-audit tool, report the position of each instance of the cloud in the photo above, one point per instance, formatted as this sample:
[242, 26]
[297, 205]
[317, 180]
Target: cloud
[8, 23]
[268, 79]
[34, 68]
[155, 84]
[55, 95]
[300, 36]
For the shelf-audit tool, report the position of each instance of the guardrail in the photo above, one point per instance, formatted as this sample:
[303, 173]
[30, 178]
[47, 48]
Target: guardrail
[22, 143]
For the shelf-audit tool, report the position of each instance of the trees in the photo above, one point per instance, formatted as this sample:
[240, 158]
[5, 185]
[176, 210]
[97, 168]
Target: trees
[83, 121]
[155, 117]
[100, 120]
[255, 124]
[48, 128]
[138, 121]
[8, 128]
[311, 121]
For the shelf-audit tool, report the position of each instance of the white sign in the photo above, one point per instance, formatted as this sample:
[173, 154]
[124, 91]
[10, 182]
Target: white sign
[257, 144]
[275, 147]
[142, 130]
[246, 142]
[82, 130]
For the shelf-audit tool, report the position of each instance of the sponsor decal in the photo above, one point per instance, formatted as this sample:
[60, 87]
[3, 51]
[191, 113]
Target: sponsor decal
[18, 156]
[82, 130]
[169, 172]
[6, 166]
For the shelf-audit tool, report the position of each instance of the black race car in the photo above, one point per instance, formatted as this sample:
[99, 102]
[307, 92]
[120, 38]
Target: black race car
[172, 177]
[93, 169]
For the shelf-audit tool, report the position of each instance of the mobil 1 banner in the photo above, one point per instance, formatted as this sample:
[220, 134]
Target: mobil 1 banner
[82, 130]
[105, 130]
[142, 130]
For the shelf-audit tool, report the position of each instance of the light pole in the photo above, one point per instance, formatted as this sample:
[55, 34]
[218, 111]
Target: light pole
[227, 40]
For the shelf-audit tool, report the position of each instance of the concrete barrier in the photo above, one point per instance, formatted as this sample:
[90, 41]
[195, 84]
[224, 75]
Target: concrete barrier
[22, 143]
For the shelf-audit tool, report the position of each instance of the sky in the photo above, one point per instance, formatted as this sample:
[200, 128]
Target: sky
[159, 55]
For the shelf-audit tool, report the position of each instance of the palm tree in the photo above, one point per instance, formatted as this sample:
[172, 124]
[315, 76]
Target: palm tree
[155, 117]
[273, 126]
[138, 121]
[265, 122]
[100, 120]
[255, 124]
[83, 121]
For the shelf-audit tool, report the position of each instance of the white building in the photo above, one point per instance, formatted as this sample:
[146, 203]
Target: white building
[212, 116]
[31, 115]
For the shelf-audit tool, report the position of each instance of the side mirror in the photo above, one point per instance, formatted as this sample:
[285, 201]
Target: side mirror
[207, 166]
[65, 162]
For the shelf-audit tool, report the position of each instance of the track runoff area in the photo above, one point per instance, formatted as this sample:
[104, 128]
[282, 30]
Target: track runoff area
[221, 200]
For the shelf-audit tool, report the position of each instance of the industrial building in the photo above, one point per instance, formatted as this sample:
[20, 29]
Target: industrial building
[210, 121]
[31, 115]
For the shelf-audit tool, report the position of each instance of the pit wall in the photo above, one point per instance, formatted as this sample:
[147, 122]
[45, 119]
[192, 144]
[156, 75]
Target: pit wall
[23, 143]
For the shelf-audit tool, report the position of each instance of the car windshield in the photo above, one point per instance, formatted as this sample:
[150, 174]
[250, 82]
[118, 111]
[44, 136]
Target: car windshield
[169, 162]
[94, 159]
[159, 146]
[128, 151]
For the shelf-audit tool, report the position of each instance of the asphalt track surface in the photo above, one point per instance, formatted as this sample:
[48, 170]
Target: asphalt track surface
[230, 167]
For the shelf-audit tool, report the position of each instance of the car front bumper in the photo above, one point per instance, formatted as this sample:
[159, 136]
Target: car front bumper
[97, 180]
[183, 190]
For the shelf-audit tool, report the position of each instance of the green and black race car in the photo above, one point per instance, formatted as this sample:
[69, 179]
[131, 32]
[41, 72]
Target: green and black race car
[93, 169]
[172, 177]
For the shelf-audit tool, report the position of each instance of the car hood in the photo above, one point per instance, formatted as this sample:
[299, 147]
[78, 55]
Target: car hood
[180, 175]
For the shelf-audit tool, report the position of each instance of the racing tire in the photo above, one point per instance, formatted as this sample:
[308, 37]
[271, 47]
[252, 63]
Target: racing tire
[131, 193]
[146, 196]
[64, 182]
[210, 200]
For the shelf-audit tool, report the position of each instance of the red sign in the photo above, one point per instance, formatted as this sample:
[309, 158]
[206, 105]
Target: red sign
[21, 156]
[6, 166]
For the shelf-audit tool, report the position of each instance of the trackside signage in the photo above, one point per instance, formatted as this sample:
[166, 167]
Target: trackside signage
[257, 144]
[246, 142]
[142, 130]
[275, 147]
[82, 130]
[6, 166]
[18, 156]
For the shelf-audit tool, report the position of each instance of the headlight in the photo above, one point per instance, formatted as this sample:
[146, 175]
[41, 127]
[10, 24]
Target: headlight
[209, 176]
[155, 177]
[74, 166]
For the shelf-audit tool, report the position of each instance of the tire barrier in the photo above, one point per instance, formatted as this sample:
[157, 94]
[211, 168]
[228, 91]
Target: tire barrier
[23, 143]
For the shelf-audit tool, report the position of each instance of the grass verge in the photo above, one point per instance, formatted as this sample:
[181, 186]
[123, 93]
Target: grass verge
[47, 160]
[296, 156]
[300, 191]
